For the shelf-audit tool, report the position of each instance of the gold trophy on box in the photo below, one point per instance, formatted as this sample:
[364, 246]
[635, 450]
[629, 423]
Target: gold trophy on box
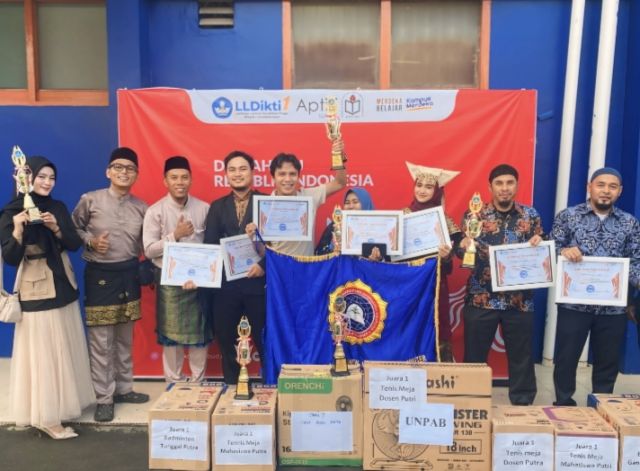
[338, 326]
[333, 131]
[243, 357]
[473, 229]
[24, 184]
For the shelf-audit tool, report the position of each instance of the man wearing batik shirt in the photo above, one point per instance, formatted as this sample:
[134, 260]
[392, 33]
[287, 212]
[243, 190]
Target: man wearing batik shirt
[595, 228]
[504, 221]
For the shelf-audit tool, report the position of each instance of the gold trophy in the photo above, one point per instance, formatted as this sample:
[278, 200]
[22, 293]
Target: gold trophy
[473, 228]
[243, 357]
[24, 184]
[338, 326]
[333, 131]
[337, 228]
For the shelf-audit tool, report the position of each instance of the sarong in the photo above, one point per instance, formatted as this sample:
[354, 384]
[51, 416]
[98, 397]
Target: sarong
[112, 292]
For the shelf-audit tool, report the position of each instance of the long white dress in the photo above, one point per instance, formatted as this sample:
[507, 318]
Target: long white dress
[50, 376]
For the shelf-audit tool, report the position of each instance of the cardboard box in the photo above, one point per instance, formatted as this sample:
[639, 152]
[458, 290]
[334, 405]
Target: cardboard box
[467, 387]
[622, 411]
[179, 426]
[584, 440]
[523, 437]
[319, 416]
[243, 433]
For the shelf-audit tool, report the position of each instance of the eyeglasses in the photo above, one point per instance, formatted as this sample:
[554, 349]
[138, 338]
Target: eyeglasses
[124, 168]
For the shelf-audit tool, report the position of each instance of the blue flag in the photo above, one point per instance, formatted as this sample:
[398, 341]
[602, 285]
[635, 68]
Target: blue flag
[390, 310]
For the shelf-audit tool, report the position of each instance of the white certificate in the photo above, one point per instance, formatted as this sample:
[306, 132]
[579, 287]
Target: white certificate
[600, 281]
[239, 256]
[376, 227]
[284, 217]
[522, 266]
[424, 231]
[200, 263]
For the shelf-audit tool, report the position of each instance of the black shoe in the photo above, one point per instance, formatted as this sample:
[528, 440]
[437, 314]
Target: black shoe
[103, 413]
[568, 402]
[132, 398]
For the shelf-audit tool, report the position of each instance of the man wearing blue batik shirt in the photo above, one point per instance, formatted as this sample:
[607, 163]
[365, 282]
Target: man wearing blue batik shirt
[595, 228]
[504, 221]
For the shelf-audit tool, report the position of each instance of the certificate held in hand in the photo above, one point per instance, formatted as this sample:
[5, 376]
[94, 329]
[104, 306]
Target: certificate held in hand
[282, 218]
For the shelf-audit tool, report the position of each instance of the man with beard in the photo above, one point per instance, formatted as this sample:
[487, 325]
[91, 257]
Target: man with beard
[228, 216]
[594, 228]
[504, 221]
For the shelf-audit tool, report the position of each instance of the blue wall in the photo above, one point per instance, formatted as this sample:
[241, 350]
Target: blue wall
[157, 43]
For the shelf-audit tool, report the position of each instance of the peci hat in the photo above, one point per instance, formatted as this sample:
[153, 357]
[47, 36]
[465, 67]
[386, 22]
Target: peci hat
[175, 162]
[434, 175]
[124, 153]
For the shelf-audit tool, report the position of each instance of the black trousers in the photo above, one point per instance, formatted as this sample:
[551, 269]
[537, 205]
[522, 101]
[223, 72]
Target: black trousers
[607, 336]
[517, 328]
[228, 307]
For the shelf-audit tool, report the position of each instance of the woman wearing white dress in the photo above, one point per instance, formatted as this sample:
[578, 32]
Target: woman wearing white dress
[50, 377]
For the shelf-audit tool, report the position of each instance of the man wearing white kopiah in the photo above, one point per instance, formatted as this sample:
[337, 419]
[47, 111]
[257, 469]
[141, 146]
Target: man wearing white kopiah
[181, 322]
[285, 170]
[593, 228]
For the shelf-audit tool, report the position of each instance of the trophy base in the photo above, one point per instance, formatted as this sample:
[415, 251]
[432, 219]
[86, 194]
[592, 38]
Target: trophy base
[469, 260]
[243, 392]
[35, 223]
[340, 368]
[337, 162]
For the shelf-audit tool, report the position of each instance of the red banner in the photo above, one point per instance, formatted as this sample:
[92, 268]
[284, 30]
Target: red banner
[467, 130]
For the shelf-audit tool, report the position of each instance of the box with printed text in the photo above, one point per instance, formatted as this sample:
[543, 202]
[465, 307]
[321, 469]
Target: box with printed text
[179, 426]
[583, 439]
[319, 416]
[434, 416]
[243, 432]
[622, 411]
[523, 437]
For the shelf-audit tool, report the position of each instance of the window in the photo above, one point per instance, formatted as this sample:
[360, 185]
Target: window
[385, 43]
[53, 52]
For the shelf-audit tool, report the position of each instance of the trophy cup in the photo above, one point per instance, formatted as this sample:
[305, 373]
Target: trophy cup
[333, 131]
[24, 184]
[337, 228]
[473, 228]
[338, 325]
[243, 357]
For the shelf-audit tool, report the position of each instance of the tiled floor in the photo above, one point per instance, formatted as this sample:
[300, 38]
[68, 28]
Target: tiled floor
[137, 413]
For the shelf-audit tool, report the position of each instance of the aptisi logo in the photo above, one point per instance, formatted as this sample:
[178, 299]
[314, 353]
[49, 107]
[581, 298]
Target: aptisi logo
[352, 103]
[222, 107]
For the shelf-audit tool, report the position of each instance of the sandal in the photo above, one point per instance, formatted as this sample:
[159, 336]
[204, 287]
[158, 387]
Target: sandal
[59, 432]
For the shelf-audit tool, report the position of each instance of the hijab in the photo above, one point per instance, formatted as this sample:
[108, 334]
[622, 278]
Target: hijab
[363, 196]
[38, 234]
[436, 200]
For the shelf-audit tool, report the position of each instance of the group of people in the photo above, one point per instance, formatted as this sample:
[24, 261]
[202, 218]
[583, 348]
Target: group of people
[56, 372]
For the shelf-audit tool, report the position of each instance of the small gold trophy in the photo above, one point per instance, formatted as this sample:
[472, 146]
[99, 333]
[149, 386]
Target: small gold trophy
[243, 357]
[24, 184]
[472, 230]
[337, 229]
[333, 131]
[338, 326]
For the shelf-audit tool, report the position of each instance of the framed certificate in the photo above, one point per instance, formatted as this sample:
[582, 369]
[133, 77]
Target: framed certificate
[284, 217]
[423, 232]
[200, 263]
[522, 266]
[239, 254]
[601, 281]
[374, 227]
